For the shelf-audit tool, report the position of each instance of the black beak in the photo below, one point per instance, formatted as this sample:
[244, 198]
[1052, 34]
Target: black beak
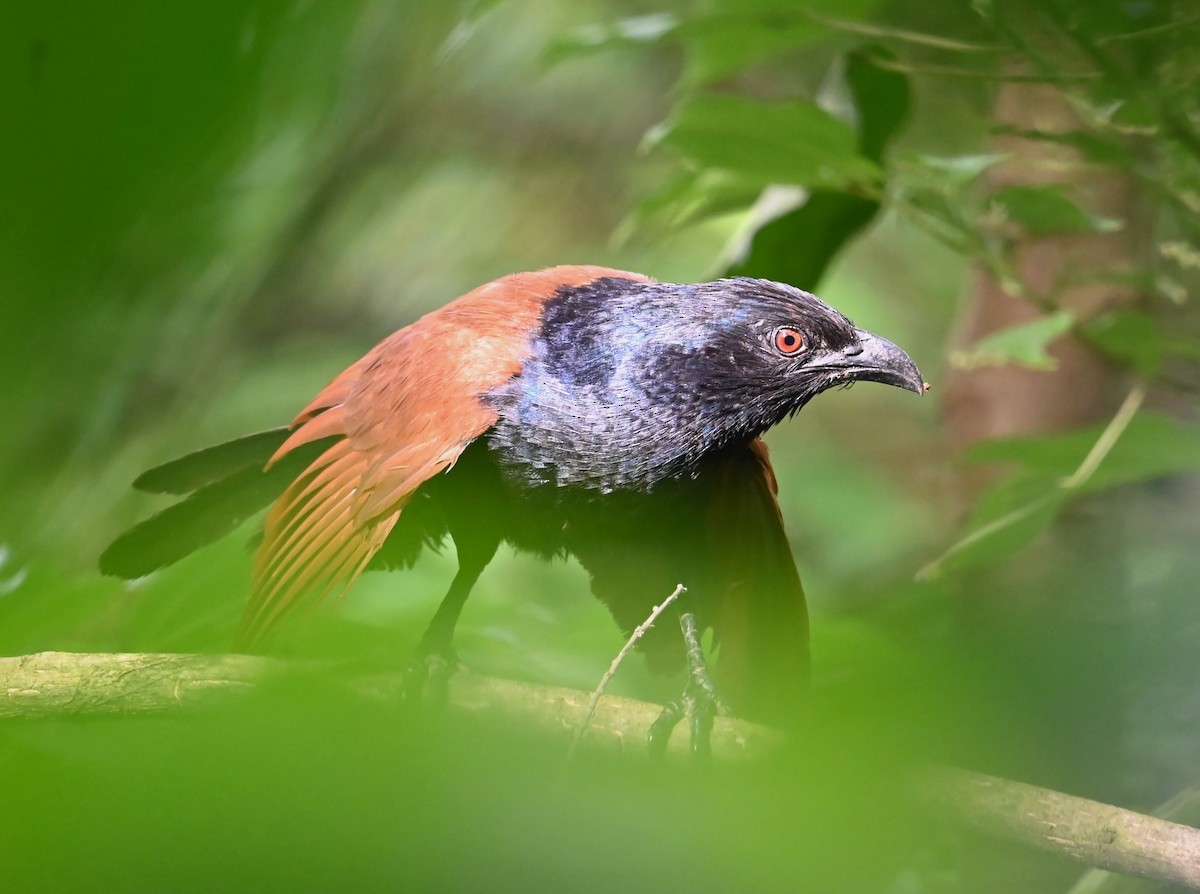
[873, 359]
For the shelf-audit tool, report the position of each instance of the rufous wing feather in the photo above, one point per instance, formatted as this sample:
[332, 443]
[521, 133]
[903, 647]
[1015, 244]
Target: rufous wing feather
[402, 414]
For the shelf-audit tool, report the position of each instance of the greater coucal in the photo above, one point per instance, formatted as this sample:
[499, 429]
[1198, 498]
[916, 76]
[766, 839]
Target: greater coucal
[577, 410]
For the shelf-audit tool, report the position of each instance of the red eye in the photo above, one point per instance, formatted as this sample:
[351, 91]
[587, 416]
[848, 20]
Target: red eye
[789, 340]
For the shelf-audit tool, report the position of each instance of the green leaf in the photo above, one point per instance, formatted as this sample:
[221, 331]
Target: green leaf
[1055, 455]
[647, 29]
[690, 197]
[786, 142]
[1042, 210]
[798, 246]
[958, 169]
[720, 46]
[1019, 508]
[1135, 116]
[881, 98]
[1104, 150]
[1024, 344]
[1130, 337]
[1152, 446]
[727, 36]
[1186, 348]
[1099, 150]
[1001, 525]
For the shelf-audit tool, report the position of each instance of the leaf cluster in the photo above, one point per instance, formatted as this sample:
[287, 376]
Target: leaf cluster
[792, 117]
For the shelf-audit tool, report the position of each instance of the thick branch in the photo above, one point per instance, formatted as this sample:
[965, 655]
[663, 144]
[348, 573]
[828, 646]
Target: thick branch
[62, 683]
[1094, 833]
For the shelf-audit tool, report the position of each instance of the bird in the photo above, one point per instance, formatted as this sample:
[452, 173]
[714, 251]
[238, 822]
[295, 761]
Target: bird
[576, 410]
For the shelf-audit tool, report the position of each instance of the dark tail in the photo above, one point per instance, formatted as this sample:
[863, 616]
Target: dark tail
[192, 472]
[762, 625]
[225, 485]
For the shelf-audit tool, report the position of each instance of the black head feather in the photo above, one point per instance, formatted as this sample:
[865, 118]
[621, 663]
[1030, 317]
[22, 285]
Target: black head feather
[630, 383]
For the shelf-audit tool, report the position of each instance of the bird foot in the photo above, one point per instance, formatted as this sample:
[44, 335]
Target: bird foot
[427, 679]
[699, 702]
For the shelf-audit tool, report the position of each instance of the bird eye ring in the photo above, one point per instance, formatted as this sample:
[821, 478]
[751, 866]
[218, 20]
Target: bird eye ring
[788, 340]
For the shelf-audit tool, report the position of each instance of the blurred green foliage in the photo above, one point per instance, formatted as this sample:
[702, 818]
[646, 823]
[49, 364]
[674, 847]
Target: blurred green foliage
[208, 210]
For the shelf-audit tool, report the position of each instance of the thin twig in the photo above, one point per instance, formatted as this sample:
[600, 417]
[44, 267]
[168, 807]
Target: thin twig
[1155, 31]
[945, 71]
[931, 570]
[900, 34]
[638, 633]
[1108, 438]
[1103, 446]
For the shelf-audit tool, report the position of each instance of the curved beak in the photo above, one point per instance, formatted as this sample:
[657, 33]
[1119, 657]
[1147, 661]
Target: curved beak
[874, 359]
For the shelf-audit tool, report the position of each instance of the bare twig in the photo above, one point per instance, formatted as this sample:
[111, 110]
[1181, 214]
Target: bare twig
[638, 633]
[1108, 438]
[1087, 468]
[945, 71]
[899, 34]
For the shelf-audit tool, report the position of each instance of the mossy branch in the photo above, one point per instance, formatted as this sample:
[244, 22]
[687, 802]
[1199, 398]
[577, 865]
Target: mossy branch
[57, 684]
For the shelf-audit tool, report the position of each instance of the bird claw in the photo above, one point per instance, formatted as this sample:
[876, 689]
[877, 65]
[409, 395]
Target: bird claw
[699, 702]
[427, 679]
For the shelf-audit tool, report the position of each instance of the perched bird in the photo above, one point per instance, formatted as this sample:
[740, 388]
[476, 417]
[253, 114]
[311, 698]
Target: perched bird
[577, 410]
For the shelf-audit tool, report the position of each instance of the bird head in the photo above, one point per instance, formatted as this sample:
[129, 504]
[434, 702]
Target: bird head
[770, 348]
[632, 382]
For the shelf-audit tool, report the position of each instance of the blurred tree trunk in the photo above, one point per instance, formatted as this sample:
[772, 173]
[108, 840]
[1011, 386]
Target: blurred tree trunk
[1056, 615]
[1004, 401]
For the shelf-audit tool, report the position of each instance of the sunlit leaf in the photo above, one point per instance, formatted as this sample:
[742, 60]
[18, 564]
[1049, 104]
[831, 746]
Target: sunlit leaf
[958, 169]
[719, 46]
[690, 197]
[786, 142]
[724, 37]
[1024, 344]
[798, 246]
[646, 29]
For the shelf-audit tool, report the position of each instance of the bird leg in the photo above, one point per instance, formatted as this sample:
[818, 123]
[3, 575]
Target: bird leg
[699, 702]
[436, 661]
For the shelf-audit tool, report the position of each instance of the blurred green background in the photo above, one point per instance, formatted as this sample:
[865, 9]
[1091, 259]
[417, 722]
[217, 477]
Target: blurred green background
[207, 210]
